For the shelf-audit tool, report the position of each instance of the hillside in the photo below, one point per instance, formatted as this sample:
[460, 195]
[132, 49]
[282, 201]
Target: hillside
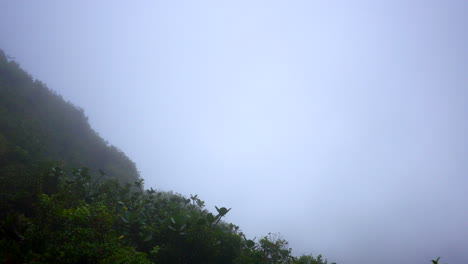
[54, 209]
[38, 125]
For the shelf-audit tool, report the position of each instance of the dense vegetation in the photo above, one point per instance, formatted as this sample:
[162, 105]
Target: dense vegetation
[52, 213]
[39, 129]
[89, 221]
[38, 125]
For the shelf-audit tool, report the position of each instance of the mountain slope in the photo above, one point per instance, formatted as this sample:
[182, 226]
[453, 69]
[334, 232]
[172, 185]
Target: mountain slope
[37, 125]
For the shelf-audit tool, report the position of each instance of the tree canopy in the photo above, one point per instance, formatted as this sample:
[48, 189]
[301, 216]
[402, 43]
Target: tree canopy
[67, 196]
[38, 127]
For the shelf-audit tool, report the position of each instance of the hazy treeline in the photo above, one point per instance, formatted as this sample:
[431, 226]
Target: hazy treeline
[100, 221]
[51, 212]
[37, 126]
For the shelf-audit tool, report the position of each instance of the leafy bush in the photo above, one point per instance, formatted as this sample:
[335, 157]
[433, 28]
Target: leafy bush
[96, 220]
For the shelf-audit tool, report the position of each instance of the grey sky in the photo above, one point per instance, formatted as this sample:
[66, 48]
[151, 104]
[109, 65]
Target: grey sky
[340, 124]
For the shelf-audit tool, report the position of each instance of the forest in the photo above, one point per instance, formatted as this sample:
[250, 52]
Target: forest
[68, 196]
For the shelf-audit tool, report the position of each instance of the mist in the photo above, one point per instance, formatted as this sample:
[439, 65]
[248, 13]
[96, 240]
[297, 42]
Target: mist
[340, 125]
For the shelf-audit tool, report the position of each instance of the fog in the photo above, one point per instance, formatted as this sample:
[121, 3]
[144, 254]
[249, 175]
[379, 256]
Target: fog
[342, 125]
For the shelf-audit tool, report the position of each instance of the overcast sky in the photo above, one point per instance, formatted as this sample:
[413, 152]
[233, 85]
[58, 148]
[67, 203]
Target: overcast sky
[341, 125]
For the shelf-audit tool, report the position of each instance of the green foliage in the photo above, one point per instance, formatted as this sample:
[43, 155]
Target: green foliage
[309, 259]
[275, 250]
[38, 125]
[50, 213]
[89, 221]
